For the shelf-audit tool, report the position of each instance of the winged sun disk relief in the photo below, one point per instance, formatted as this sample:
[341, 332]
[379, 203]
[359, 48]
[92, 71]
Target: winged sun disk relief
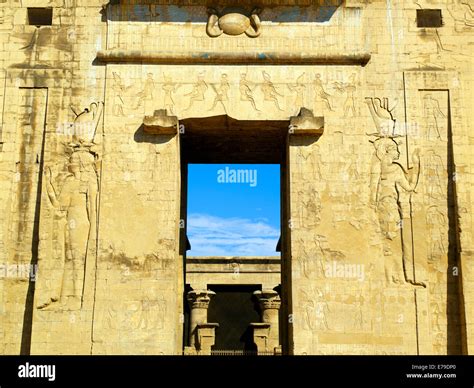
[233, 22]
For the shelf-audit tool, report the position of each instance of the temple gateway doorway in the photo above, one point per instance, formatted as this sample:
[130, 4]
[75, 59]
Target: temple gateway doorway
[263, 288]
[222, 308]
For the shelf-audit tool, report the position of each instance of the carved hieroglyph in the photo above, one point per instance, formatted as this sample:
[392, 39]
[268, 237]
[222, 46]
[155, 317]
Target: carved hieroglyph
[169, 88]
[147, 93]
[246, 91]
[349, 88]
[119, 90]
[322, 96]
[298, 88]
[197, 94]
[433, 117]
[222, 93]
[270, 93]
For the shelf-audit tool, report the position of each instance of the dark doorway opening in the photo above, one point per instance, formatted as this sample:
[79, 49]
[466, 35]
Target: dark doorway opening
[234, 309]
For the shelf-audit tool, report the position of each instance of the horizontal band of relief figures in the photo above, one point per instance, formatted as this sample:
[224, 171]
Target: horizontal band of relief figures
[256, 94]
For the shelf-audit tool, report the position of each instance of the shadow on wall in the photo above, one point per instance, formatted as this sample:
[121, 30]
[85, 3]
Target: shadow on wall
[454, 311]
[25, 346]
[198, 14]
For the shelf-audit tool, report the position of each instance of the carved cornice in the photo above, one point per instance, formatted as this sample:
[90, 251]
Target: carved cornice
[251, 3]
[233, 58]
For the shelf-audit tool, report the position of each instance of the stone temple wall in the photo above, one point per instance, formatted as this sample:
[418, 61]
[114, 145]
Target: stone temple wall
[378, 248]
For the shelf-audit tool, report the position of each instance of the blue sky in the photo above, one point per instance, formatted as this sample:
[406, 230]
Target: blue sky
[226, 218]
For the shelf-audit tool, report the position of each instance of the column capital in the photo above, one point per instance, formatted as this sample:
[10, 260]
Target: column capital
[199, 299]
[268, 299]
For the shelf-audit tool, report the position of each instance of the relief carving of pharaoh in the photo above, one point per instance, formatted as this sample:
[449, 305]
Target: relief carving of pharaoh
[74, 201]
[73, 196]
[233, 21]
[391, 188]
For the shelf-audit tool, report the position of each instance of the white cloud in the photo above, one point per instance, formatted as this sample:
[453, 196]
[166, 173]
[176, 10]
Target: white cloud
[217, 236]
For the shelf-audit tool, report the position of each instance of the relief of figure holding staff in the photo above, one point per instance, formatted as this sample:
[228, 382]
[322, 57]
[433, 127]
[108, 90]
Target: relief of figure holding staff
[74, 199]
[391, 189]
